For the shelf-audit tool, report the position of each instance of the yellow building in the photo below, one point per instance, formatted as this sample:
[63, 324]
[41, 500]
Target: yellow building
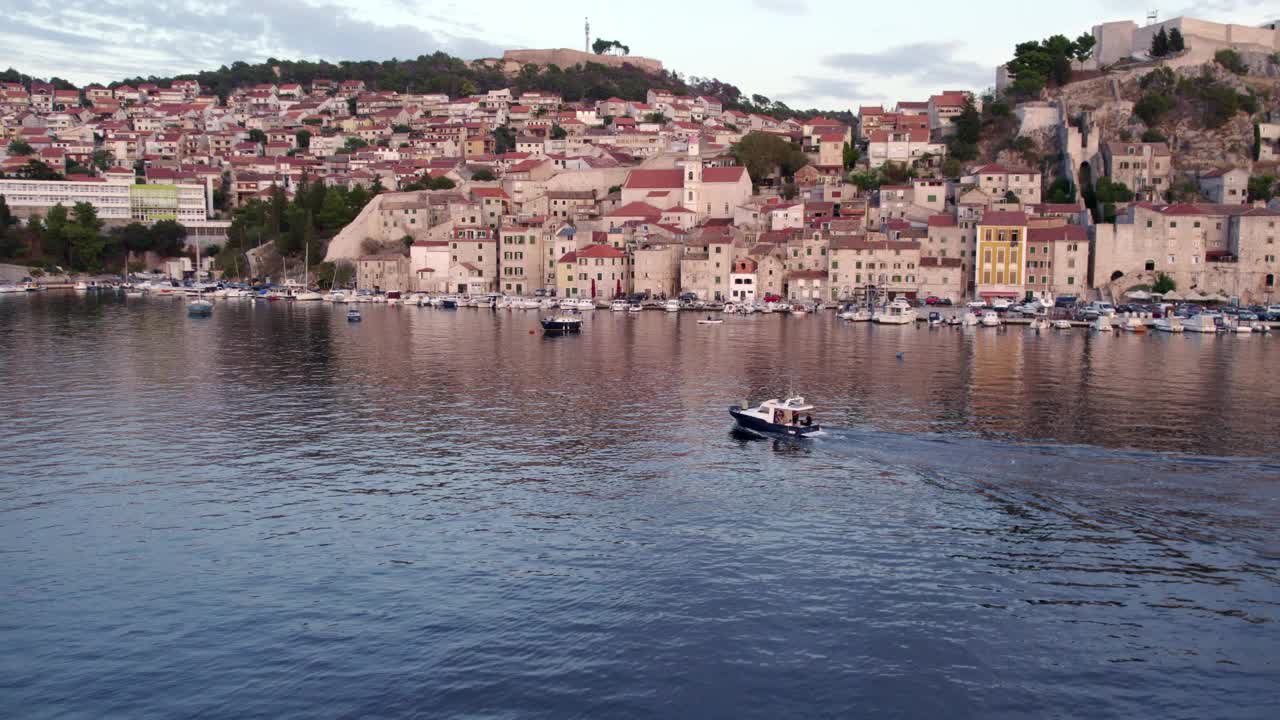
[566, 274]
[1001, 254]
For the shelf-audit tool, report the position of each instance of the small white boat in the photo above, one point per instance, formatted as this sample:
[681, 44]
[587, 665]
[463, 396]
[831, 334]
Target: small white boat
[711, 321]
[970, 319]
[672, 305]
[353, 315]
[935, 319]
[81, 287]
[729, 308]
[1169, 324]
[1039, 323]
[200, 308]
[1242, 329]
[990, 319]
[618, 306]
[29, 285]
[1101, 324]
[799, 309]
[1134, 324]
[635, 309]
[1202, 323]
[1062, 324]
[858, 315]
[308, 296]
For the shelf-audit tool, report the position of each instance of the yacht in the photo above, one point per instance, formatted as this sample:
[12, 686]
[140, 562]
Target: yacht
[1102, 323]
[729, 308]
[618, 306]
[799, 309]
[1169, 324]
[353, 315]
[935, 318]
[1039, 323]
[898, 312]
[81, 287]
[1134, 324]
[792, 417]
[672, 305]
[635, 309]
[449, 302]
[990, 319]
[857, 315]
[970, 319]
[28, 285]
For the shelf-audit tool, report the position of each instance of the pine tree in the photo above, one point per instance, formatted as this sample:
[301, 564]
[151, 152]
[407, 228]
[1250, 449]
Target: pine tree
[1160, 44]
[1176, 43]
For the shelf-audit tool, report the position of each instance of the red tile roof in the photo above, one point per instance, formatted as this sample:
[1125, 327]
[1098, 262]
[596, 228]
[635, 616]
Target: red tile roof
[1004, 218]
[651, 179]
[601, 251]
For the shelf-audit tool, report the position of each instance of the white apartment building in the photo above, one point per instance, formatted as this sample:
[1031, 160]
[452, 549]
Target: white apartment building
[117, 203]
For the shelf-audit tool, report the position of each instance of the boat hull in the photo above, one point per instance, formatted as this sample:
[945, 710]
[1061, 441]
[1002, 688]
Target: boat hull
[764, 427]
[558, 326]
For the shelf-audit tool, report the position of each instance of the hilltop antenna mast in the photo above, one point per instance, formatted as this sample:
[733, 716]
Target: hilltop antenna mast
[1152, 16]
[586, 35]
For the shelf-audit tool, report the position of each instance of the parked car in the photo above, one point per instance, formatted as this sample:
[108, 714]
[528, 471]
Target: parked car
[932, 300]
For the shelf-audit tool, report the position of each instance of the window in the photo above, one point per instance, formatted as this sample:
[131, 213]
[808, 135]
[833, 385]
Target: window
[835, 264]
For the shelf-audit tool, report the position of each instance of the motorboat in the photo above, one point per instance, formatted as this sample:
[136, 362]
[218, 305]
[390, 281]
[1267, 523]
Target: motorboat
[635, 309]
[1039, 323]
[711, 321]
[307, 296]
[353, 315]
[954, 320]
[1134, 324]
[935, 319]
[562, 323]
[28, 285]
[799, 309]
[1202, 323]
[449, 302]
[990, 319]
[856, 315]
[791, 417]
[898, 312]
[618, 306]
[1242, 328]
[81, 287]
[1001, 304]
[1169, 324]
[729, 308]
[1062, 324]
[672, 305]
[337, 297]
[970, 319]
[1102, 323]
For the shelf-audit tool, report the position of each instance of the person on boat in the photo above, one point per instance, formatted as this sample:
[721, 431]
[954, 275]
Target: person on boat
[808, 421]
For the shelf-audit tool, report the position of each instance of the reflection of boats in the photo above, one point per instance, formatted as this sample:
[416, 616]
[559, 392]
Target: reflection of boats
[1102, 323]
[776, 417]
[562, 323]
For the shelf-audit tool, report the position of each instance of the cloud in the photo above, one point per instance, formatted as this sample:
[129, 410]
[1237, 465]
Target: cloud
[82, 39]
[782, 7]
[825, 88]
[926, 63]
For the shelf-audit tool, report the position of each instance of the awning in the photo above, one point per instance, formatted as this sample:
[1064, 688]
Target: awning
[1000, 293]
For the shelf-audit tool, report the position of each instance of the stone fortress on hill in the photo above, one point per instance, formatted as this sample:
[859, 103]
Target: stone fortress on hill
[513, 60]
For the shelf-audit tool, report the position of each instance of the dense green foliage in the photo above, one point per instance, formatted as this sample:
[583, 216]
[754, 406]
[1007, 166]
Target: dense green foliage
[765, 155]
[602, 46]
[1037, 64]
[1262, 187]
[483, 175]
[18, 146]
[1231, 60]
[963, 145]
[1060, 192]
[1163, 284]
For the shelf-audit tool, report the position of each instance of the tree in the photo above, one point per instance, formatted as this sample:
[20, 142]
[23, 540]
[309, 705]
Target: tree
[504, 140]
[1160, 44]
[1152, 135]
[352, 105]
[20, 147]
[442, 183]
[1084, 47]
[333, 212]
[558, 133]
[1152, 107]
[1164, 284]
[963, 145]
[1231, 60]
[483, 175]
[1036, 63]
[103, 160]
[763, 155]
[951, 168]
[53, 235]
[257, 136]
[656, 118]
[304, 138]
[353, 144]
[850, 154]
[1060, 192]
[1011, 197]
[1262, 187]
[1176, 42]
[601, 46]
[84, 236]
[789, 191]
[134, 237]
[168, 238]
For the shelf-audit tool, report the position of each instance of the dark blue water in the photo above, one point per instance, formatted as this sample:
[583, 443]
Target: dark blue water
[272, 513]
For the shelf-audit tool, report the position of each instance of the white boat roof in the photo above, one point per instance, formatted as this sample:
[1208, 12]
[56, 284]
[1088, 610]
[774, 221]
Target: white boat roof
[795, 403]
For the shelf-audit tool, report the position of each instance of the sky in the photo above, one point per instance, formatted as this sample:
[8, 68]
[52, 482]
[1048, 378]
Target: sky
[830, 54]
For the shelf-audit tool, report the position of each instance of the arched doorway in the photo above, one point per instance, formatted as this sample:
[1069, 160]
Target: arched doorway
[1150, 266]
[1271, 280]
[1116, 275]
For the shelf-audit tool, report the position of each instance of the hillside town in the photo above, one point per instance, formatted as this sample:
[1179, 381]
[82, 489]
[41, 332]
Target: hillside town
[665, 195]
